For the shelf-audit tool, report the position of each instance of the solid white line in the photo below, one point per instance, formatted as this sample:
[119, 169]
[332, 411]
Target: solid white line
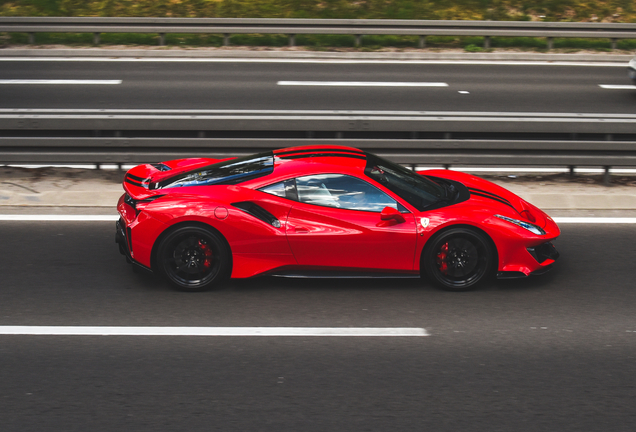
[43, 81]
[617, 87]
[59, 218]
[112, 218]
[315, 61]
[209, 331]
[190, 112]
[361, 84]
[595, 220]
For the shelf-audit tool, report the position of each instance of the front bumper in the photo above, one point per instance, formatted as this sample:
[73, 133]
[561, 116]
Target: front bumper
[545, 255]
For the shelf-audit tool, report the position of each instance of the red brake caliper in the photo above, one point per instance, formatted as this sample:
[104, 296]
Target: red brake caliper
[207, 252]
[441, 259]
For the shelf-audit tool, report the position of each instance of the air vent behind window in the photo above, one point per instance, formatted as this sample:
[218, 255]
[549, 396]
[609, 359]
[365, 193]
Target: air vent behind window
[258, 212]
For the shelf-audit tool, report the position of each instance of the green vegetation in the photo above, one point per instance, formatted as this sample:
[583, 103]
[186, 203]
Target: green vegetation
[502, 10]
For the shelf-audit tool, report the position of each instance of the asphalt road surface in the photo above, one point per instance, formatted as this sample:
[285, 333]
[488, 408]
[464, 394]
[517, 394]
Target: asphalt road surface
[254, 85]
[551, 353]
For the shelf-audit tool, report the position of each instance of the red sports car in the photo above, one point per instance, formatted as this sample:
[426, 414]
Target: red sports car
[326, 211]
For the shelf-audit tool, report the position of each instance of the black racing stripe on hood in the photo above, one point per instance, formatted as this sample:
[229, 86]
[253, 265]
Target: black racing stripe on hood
[494, 198]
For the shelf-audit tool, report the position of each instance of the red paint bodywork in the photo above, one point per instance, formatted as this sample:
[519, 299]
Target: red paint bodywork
[323, 238]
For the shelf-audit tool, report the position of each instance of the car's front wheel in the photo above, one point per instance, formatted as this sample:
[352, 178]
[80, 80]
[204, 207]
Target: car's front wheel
[193, 258]
[458, 259]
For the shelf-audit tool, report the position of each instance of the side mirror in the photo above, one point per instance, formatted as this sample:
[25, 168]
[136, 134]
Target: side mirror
[391, 214]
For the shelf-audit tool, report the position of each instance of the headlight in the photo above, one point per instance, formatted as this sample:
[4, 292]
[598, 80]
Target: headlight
[534, 229]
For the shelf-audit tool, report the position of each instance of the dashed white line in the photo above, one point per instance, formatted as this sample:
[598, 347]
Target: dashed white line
[361, 84]
[315, 61]
[212, 331]
[62, 82]
[617, 87]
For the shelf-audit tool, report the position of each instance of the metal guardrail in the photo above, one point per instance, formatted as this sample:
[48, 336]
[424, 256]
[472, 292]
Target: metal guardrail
[293, 27]
[412, 138]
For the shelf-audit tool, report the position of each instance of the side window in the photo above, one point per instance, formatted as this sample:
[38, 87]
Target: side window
[277, 189]
[284, 189]
[342, 191]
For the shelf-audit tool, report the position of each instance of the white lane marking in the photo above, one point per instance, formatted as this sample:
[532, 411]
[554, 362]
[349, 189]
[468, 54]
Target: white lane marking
[617, 87]
[595, 220]
[59, 218]
[112, 218]
[190, 112]
[463, 92]
[316, 61]
[44, 81]
[79, 166]
[361, 84]
[210, 331]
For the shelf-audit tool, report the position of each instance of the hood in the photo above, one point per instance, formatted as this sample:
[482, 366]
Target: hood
[483, 191]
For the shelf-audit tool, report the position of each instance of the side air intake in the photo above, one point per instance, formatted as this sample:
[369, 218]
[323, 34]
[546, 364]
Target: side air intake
[258, 212]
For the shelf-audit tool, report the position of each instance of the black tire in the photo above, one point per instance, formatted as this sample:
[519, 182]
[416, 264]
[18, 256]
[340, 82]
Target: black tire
[458, 259]
[193, 258]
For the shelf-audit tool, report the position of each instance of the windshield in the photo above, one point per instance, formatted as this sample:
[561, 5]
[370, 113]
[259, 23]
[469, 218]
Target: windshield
[228, 172]
[413, 188]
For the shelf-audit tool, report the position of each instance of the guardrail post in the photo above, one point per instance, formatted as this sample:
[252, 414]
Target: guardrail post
[162, 38]
[226, 39]
[550, 43]
[31, 38]
[292, 40]
[486, 42]
[422, 41]
[614, 40]
[358, 40]
[571, 170]
[95, 38]
[607, 180]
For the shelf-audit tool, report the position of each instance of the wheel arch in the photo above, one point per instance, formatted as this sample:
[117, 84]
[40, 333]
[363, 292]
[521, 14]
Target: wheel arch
[168, 230]
[465, 226]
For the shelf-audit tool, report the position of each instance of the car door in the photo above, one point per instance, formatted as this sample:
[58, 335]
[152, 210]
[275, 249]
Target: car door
[336, 223]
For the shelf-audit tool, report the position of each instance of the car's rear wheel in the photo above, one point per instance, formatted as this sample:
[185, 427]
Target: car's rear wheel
[193, 258]
[458, 259]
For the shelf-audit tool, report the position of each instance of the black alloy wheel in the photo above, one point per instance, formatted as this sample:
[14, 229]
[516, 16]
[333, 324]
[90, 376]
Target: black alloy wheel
[193, 258]
[458, 259]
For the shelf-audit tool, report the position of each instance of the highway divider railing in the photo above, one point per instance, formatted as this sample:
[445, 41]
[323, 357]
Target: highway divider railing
[123, 136]
[293, 27]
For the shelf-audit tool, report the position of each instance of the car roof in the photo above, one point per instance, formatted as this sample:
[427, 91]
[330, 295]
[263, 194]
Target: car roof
[296, 161]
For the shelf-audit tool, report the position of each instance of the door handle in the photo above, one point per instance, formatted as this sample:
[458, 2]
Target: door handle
[301, 230]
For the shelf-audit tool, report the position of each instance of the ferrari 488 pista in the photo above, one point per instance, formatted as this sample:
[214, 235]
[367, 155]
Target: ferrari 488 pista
[326, 211]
